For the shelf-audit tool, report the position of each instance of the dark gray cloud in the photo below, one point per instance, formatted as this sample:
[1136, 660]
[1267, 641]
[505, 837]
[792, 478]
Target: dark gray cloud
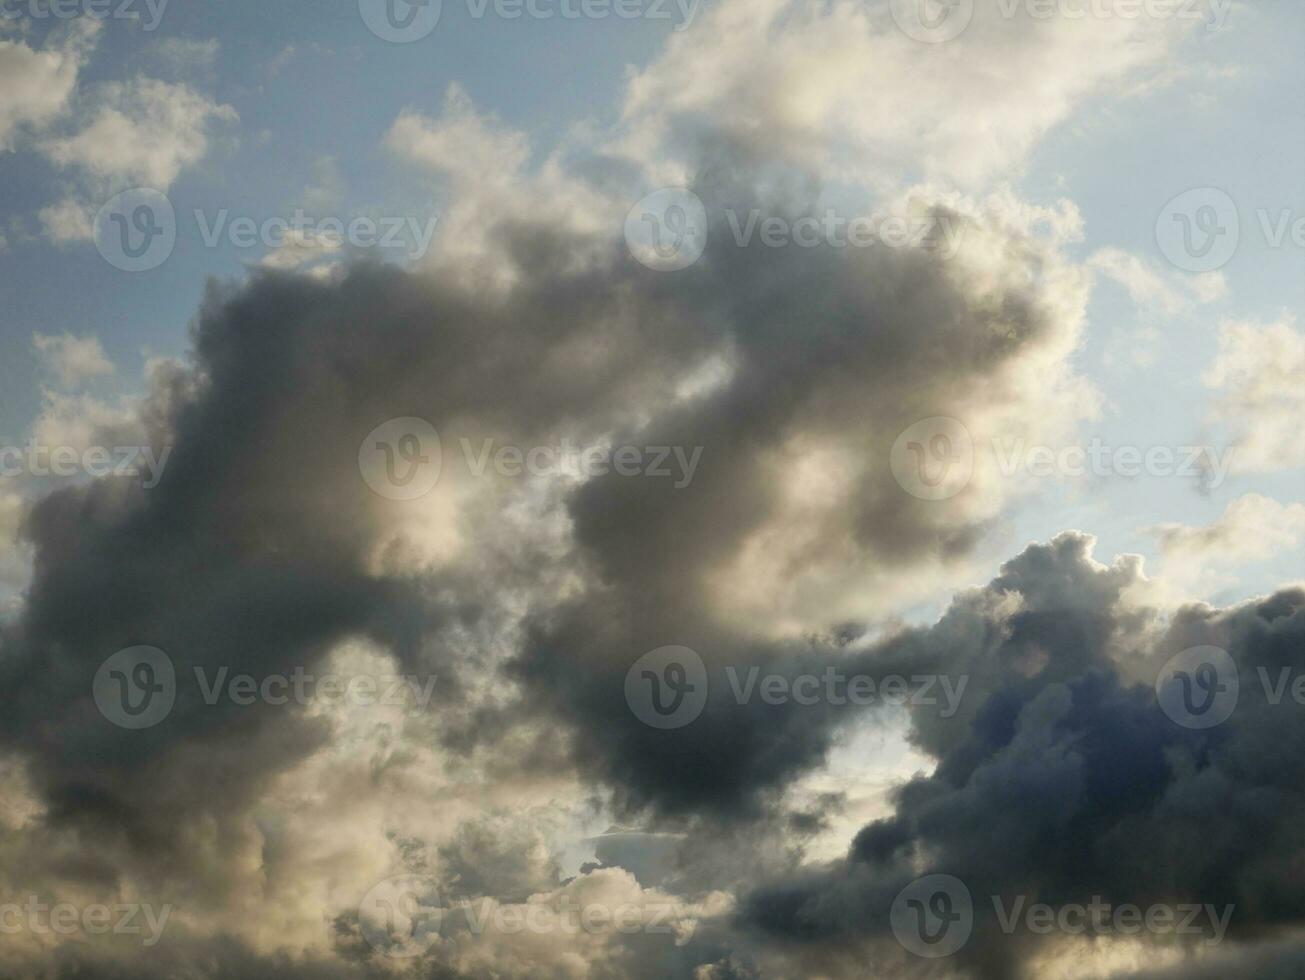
[1063, 779]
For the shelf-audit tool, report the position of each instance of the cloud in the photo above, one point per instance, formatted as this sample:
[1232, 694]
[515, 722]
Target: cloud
[1062, 779]
[842, 89]
[142, 132]
[1152, 290]
[72, 359]
[1256, 378]
[36, 85]
[1251, 529]
[527, 597]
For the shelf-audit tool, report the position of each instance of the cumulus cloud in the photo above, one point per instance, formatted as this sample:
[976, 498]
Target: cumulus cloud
[1252, 528]
[142, 132]
[72, 359]
[1258, 395]
[1062, 779]
[843, 89]
[790, 373]
[1151, 289]
[37, 84]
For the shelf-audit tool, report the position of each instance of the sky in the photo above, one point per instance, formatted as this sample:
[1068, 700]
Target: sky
[454, 456]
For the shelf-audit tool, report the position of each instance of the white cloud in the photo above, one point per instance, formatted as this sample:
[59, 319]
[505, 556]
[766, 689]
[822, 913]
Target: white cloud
[301, 248]
[840, 88]
[144, 130]
[1153, 290]
[1257, 375]
[183, 54]
[72, 359]
[1252, 528]
[35, 86]
[141, 132]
